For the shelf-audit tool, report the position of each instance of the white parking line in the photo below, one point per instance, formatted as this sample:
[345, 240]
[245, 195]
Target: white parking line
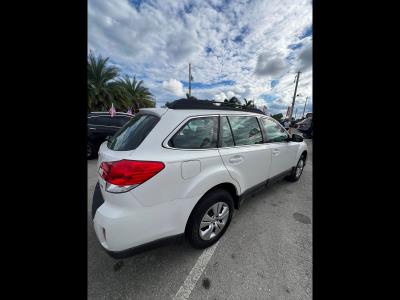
[194, 275]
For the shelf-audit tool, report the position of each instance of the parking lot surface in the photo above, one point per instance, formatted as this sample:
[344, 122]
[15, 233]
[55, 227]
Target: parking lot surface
[266, 253]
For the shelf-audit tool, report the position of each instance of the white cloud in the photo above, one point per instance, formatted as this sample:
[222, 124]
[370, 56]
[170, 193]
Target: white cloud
[220, 97]
[273, 67]
[174, 87]
[244, 42]
[305, 58]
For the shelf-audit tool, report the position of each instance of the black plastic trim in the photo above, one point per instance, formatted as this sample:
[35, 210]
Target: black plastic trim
[97, 200]
[145, 247]
[254, 189]
[207, 104]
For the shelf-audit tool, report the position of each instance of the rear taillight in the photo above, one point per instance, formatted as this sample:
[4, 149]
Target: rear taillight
[124, 175]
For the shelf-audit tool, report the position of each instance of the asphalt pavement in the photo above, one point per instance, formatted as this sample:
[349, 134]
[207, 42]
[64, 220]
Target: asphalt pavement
[266, 253]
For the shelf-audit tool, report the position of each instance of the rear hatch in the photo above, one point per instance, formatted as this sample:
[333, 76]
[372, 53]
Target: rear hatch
[123, 144]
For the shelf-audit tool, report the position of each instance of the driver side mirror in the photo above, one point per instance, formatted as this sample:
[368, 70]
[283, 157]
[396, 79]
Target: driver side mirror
[296, 138]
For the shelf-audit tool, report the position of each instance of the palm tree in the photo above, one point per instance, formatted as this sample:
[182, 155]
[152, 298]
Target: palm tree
[190, 97]
[248, 104]
[133, 93]
[233, 102]
[100, 88]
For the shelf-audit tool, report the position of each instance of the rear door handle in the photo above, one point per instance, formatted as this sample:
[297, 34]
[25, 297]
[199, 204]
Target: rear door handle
[92, 128]
[236, 159]
[275, 152]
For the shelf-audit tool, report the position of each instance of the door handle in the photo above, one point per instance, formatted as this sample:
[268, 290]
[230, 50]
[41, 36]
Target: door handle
[275, 152]
[92, 128]
[236, 159]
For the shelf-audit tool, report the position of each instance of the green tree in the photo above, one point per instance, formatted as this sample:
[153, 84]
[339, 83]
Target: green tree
[278, 117]
[132, 93]
[233, 102]
[248, 103]
[190, 97]
[166, 104]
[100, 77]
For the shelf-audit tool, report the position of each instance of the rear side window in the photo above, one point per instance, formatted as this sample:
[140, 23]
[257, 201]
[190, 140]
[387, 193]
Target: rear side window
[131, 135]
[198, 133]
[246, 130]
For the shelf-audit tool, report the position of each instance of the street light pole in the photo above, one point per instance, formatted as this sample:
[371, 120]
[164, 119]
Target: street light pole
[294, 95]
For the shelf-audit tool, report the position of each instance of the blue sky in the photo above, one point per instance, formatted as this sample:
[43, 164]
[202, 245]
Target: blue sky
[244, 48]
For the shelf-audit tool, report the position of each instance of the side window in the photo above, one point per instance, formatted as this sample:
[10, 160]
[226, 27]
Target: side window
[101, 121]
[274, 132]
[199, 133]
[246, 130]
[227, 138]
[123, 120]
[119, 121]
[93, 121]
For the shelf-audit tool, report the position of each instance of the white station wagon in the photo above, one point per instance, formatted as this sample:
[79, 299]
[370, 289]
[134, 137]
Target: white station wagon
[182, 170]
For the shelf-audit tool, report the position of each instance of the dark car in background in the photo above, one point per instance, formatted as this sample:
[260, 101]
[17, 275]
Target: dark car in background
[306, 127]
[100, 126]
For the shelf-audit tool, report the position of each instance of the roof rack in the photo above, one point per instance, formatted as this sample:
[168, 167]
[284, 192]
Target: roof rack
[209, 104]
[106, 112]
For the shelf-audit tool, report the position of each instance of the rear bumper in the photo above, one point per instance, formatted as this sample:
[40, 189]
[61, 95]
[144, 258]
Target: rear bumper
[145, 247]
[126, 230]
[97, 199]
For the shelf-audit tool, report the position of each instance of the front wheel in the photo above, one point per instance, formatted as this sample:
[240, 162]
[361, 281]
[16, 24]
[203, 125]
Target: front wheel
[210, 219]
[298, 170]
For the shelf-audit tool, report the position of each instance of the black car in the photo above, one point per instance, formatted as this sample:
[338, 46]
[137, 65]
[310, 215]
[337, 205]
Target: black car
[101, 125]
[306, 127]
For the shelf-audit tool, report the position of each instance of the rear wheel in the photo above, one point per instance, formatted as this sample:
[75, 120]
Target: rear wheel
[210, 219]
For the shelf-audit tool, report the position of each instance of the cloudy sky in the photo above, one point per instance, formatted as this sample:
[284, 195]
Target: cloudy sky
[242, 48]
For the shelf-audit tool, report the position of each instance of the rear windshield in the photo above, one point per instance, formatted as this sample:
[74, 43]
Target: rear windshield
[133, 133]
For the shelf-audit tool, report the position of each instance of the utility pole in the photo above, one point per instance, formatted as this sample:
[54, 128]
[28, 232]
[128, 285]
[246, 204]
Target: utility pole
[304, 108]
[294, 96]
[190, 80]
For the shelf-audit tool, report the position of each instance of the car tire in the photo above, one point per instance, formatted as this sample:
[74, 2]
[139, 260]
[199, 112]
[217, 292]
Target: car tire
[297, 170]
[206, 213]
[91, 150]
